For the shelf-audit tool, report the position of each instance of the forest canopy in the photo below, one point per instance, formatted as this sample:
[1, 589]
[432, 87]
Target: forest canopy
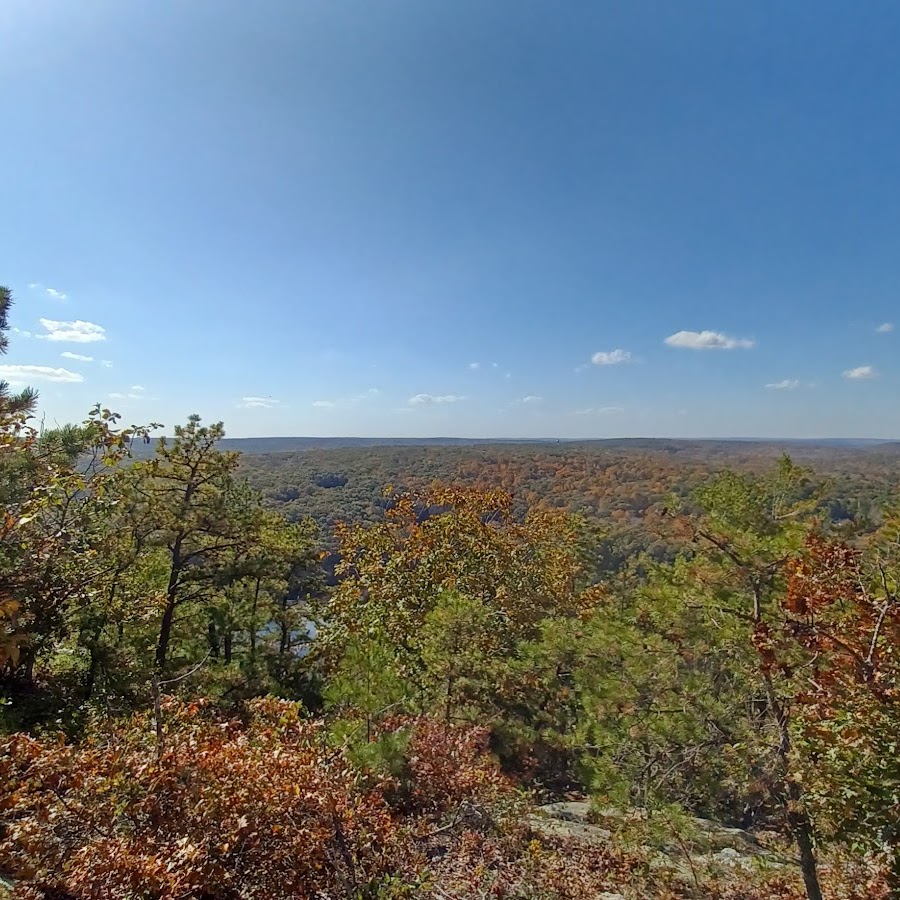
[360, 673]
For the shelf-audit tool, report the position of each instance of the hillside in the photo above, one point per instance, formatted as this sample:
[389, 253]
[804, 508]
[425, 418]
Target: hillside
[614, 480]
[535, 670]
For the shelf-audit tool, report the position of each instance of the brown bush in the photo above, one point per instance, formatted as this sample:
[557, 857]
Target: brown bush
[447, 764]
[225, 810]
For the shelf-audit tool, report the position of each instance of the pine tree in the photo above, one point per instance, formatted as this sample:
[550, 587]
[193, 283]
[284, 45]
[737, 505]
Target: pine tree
[12, 406]
[182, 501]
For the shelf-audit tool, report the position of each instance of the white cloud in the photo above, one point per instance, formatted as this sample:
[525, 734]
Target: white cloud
[49, 291]
[788, 384]
[531, 398]
[106, 363]
[885, 327]
[26, 374]
[495, 365]
[431, 399]
[135, 392]
[599, 410]
[707, 340]
[507, 375]
[21, 333]
[474, 365]
[258, 403]
[368, 394]
[77, 332]
[611, 357]
[861, 373]
[80, 357]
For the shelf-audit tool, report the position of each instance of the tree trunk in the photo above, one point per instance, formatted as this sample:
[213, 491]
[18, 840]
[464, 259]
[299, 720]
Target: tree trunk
[91, 677]
[25, 669]
[165, 634]
[212, 638]
[90, 680]
[797, 817]
[449, 701]
[226, 642]
[165, 627]
[157, 715]
[893, 877]
[802, 830]
[253, 623]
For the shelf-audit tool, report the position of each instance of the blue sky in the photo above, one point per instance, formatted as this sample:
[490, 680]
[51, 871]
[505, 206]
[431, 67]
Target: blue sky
[456, 218]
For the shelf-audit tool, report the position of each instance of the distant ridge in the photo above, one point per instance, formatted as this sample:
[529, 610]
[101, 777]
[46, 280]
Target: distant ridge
[262, 445]
[288, 444]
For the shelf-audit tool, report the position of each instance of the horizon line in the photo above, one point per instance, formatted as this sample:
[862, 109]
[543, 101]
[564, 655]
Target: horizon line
[537, 439]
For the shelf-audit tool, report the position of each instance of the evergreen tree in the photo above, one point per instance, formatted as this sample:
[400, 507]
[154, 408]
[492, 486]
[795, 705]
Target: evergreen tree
[13, 407]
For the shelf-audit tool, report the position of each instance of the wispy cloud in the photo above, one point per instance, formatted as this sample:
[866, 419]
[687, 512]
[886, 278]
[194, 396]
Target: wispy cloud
[611, 357]
[707, 340]
[49, 291]
[258, 403]
[474, 365]
[432, 399]
[599, 410]
[885, 328]
[79, 357]
[368, 394]
[77, 332]
[135, 392]
[861, 373]
[21, 333]
[532, 400]
[26, 374]
[787, 384]
[106, 363]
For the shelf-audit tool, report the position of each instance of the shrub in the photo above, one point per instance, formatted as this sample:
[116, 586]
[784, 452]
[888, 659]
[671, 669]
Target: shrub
[261, 806]
[223, 809]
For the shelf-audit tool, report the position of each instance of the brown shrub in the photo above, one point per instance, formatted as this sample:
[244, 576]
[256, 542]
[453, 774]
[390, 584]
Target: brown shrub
[226, 810]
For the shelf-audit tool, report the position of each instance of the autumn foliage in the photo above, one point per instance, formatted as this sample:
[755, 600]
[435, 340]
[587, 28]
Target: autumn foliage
[452, 539]
[226, 808]
[843, 611]
[849, 622]
[446, 765]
